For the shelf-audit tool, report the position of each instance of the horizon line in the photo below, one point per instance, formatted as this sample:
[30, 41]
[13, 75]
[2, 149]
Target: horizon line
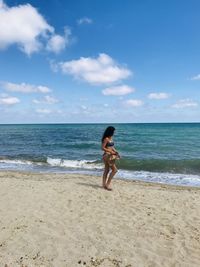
[38, 123]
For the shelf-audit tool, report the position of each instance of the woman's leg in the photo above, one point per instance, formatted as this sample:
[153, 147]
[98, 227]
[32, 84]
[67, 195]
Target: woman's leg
[105, 174]
[114, 171]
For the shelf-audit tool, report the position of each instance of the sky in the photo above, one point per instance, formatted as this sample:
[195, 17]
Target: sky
[99, 61]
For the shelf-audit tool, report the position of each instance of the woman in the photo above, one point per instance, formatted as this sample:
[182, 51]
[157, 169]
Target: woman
[109, 157]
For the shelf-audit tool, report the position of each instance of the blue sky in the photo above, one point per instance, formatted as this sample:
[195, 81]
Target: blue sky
[99, 61]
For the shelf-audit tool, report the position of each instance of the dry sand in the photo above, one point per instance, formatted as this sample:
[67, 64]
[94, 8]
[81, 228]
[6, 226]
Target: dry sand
[64, 220]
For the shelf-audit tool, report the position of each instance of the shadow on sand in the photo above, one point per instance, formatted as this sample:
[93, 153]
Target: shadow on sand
[95, 186]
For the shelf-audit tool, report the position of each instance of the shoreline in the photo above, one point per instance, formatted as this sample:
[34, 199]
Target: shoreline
[135, 181]
[69, 220]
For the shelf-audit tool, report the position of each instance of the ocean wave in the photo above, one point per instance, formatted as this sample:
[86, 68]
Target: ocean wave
[94, 167]
[158, 177]
[17, 162]
[78, 164]
[186, 167]
[55, 162]
[189, 166]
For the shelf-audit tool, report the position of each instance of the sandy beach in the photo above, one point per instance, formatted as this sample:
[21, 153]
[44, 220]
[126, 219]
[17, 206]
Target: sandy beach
[65, 220]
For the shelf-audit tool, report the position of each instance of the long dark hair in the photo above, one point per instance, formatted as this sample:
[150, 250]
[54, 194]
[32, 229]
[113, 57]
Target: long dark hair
[108, 132]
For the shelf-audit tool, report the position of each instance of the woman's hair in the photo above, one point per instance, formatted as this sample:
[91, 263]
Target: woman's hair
[108, 132]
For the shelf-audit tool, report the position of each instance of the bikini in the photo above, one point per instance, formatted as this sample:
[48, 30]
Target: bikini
[107, 156]
[110, 144]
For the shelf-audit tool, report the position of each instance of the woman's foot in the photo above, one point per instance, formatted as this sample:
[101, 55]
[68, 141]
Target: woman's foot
[104, 186]
[107, 187]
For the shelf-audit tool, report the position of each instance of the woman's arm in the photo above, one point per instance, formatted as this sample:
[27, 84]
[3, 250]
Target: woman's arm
[116, 152]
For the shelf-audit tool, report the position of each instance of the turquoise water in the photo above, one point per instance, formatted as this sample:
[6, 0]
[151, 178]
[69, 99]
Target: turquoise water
[166, 153]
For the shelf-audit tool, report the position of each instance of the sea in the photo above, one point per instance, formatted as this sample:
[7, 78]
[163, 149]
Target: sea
[166, 153]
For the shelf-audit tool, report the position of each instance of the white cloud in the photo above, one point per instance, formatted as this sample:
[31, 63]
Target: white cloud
[2, 5]
[35, 101]
[50, 99]
[197, 77]
[54, 66]
[22, 25]
[84, 20]
[58, 43]
[102, 70]
[43, 111]
[83, 107]
[25, 88]
[134, 103]
[9, 100]
[185, 103]
[158, 96]
[118, 90]
[47, 100]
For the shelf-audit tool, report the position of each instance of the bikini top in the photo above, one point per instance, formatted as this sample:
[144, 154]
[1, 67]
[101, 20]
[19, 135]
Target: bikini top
[110, 144]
